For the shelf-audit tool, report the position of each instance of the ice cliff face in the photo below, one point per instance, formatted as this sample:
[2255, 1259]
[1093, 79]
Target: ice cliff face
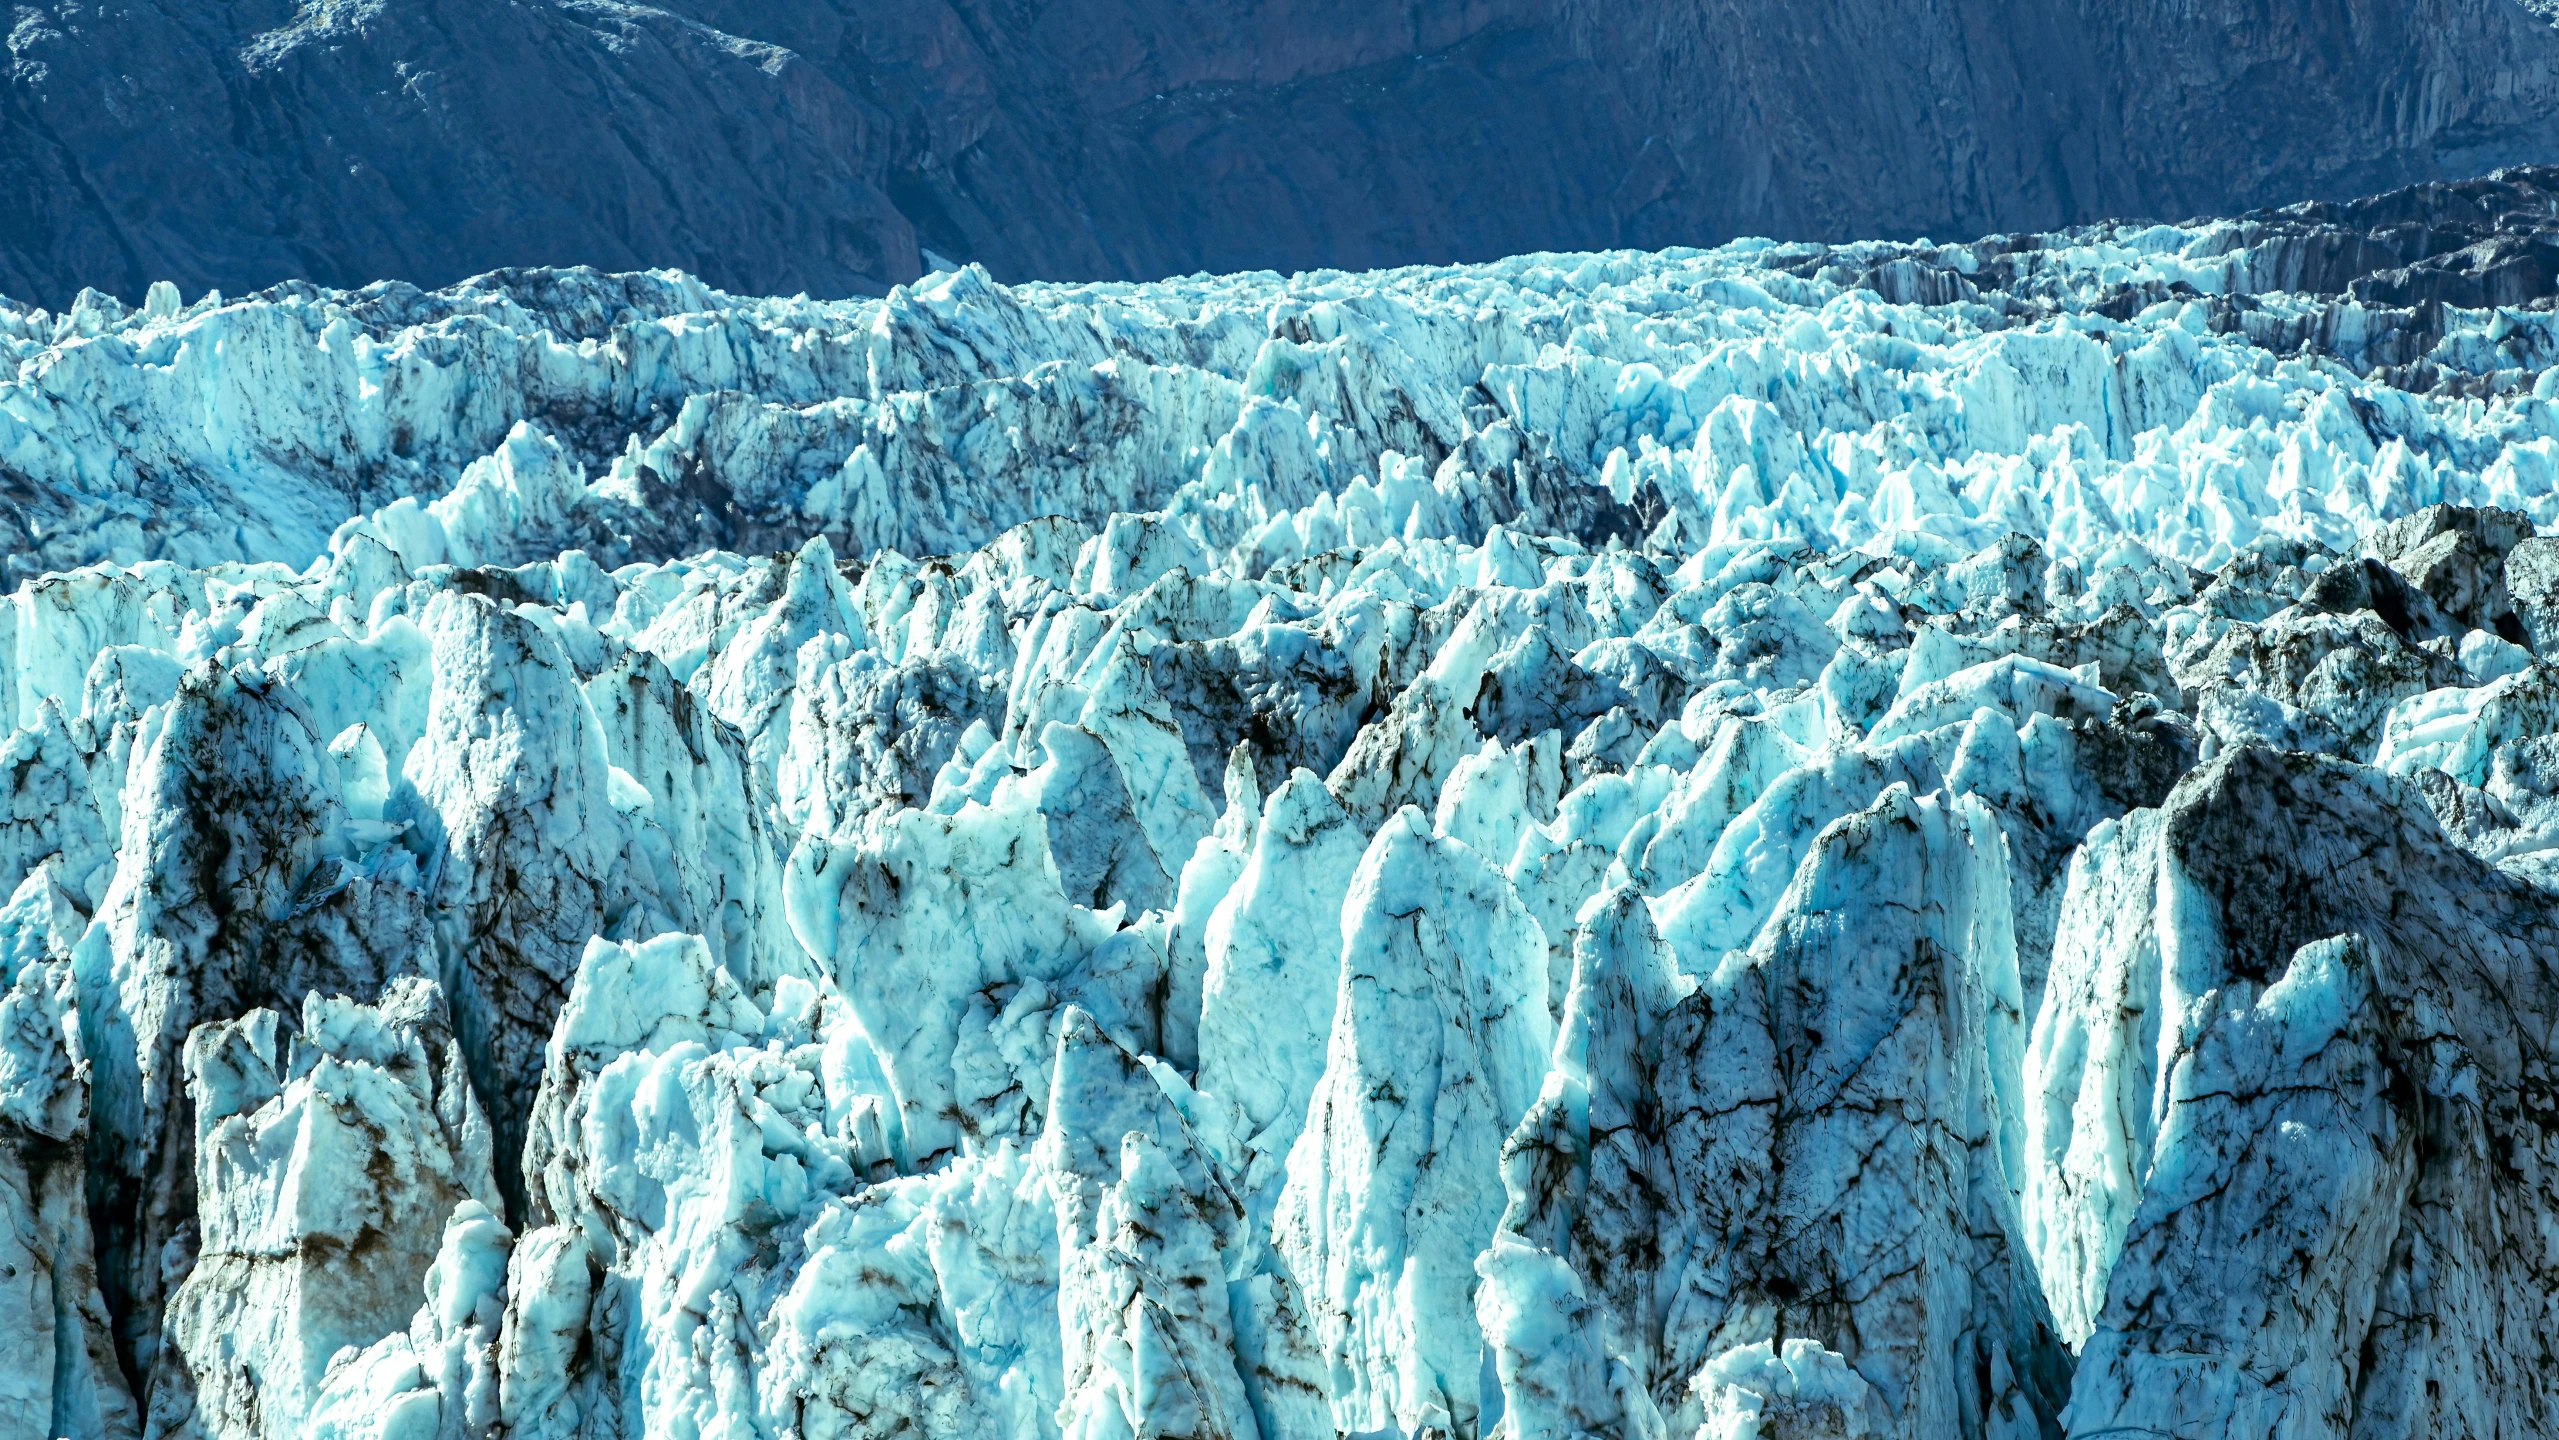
[1783, 841]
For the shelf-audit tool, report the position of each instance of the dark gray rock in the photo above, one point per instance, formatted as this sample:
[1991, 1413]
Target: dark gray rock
[2532, 584]
[2455, 557]
[2367, 281]
[2347, 1039]
[825, 144]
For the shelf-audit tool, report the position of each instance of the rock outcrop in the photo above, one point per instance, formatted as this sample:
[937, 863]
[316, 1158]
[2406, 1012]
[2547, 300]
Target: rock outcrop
[839, 148]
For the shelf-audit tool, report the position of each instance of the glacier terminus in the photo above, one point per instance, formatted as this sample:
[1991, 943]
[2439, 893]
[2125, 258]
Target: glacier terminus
[1791, 841]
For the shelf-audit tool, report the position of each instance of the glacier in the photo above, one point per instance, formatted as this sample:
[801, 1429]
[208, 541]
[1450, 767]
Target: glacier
[1896, 840]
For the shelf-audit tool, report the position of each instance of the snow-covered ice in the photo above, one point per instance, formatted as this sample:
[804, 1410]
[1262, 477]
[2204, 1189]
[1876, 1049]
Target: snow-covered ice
[1617, 845]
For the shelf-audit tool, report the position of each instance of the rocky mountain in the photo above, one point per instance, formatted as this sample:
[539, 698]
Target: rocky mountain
[823, 145]
[1877, 839]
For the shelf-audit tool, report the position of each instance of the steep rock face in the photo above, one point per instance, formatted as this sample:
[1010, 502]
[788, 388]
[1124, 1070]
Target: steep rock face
[826, 146]
[1852, 1128]
[1438, 1027]
[233, 890]
[1604, 845]
[325, 1173]
[2296, 1075]
[65, 1377]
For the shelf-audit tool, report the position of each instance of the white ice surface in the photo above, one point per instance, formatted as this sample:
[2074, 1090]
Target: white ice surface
[1629, 845]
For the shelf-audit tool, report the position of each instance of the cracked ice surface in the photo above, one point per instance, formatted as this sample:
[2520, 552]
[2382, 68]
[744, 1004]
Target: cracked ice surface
[1604, 845]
